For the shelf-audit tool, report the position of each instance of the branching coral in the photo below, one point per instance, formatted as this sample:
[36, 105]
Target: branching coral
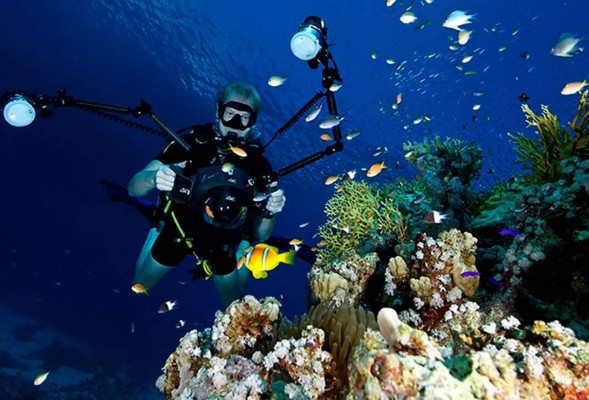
[543, 155]
[357, 214]
[352, 213]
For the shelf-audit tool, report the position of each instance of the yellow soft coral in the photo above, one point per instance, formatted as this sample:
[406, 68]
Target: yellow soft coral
[544, 155]
[580, 123]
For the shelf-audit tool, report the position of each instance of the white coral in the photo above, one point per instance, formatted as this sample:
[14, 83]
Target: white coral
[439, 266]
[510, 323]
[389, 286]
[418, 303]
[490, 328]
[436, 301]
[533, 364]
[454, 295]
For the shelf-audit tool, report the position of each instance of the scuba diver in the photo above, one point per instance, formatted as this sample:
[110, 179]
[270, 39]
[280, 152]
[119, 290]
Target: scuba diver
[217, 191]
[215, 198]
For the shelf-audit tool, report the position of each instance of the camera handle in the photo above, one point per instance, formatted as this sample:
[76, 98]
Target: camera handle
[183, 186]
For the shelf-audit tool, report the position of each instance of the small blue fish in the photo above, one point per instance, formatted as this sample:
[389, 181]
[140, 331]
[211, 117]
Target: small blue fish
[470, 273]
[509, 232]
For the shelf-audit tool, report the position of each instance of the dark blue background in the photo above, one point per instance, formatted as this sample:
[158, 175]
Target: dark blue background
[67, 254]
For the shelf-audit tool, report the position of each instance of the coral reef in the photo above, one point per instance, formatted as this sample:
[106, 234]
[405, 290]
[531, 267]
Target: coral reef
[480, 358]
[256, 356]
[549, 249]
[548, 362]
[461, 303]
[225, 362]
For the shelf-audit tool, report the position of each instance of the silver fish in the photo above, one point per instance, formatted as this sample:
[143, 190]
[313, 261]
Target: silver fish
[330, 122]
[352, 134]
[566, 46]
[276, 80]
[260, 197]
[379, 150]
[311, 115]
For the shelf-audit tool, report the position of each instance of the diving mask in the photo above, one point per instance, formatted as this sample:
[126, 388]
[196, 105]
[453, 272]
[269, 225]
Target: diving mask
[236, 115]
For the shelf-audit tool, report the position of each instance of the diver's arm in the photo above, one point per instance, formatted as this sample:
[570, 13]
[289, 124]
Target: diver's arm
[144, 181]
[264, 225]
[263, 228]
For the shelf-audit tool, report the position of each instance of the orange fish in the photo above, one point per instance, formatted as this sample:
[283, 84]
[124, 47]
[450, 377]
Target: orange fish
[326, 137]
[139, 289]
[238, 151]
[573, 87]
[209, 212]
[331, 179]
[296, 244]
[375, 169]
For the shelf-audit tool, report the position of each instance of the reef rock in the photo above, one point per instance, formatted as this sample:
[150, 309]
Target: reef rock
[342, 280]
[547, 362]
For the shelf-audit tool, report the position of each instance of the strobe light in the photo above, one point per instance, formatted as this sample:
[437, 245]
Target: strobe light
[309, 43]
[18, 110]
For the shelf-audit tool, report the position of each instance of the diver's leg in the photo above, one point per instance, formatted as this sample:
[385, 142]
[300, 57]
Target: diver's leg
[148, 271]
[232, 286]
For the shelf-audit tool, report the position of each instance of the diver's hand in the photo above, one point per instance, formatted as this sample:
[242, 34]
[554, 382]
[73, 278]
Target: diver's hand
[275, 202]
[165, 177]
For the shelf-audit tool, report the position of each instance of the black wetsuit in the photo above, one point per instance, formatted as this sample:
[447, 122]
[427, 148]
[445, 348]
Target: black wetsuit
[208, 242]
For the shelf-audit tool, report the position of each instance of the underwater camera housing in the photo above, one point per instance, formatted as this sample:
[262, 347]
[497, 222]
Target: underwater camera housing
[219, 190]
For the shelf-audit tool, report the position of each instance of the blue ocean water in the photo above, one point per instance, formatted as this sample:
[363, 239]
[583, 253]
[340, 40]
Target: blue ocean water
[67, 254]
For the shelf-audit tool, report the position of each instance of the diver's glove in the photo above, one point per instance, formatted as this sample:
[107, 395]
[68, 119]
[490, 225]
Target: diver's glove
[165, 176]
[275, 202]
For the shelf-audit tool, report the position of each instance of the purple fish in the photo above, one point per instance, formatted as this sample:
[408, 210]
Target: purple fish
[494, 282]
[509, 232]
[470, 273]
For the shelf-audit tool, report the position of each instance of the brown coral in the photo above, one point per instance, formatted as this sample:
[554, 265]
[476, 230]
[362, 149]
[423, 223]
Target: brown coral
[243, 324]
